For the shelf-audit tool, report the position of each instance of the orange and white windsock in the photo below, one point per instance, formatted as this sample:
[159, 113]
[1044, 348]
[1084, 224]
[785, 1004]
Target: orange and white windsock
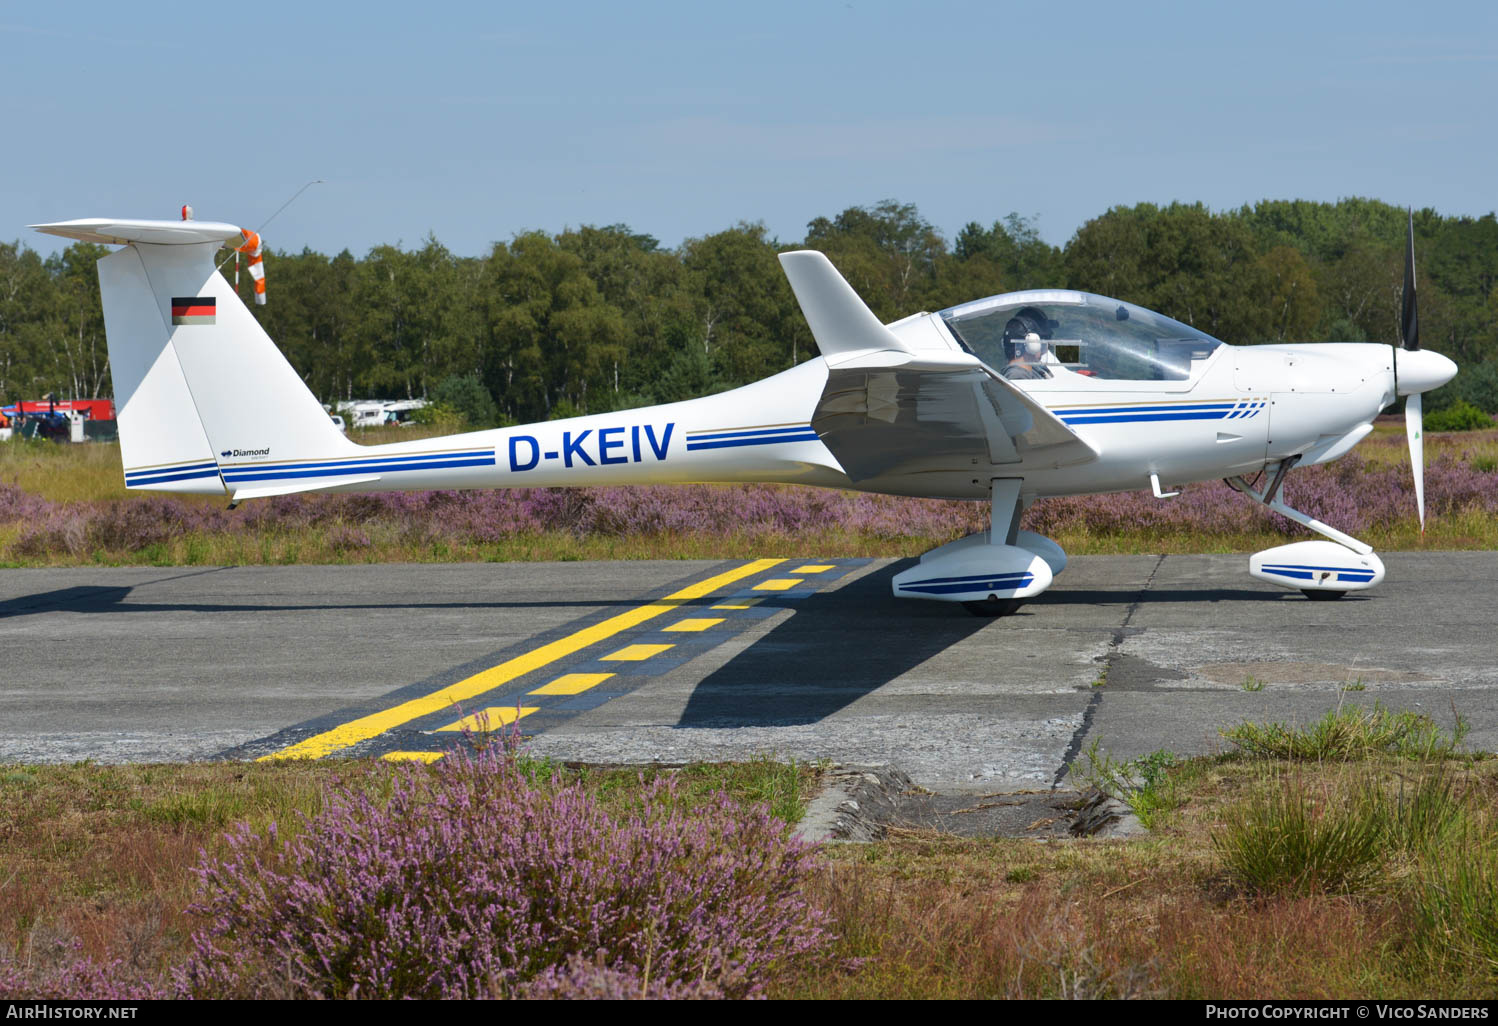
[251, 248]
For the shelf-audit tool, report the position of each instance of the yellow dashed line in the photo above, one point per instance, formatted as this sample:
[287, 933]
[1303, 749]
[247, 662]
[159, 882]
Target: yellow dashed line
[814, 568]
[412, 756]
[489, 719]
[694, 625]
[742, 603]
[778, 584]
[375, 724]
[634, 653]
[572, 683]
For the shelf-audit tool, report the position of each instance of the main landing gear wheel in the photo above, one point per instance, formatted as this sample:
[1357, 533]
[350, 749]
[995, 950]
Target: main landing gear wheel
[1321, 594]
[993, 606]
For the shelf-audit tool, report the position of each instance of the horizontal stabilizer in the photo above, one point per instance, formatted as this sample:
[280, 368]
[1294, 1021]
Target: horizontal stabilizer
[315, 484]
[115, 232]
[840, 321]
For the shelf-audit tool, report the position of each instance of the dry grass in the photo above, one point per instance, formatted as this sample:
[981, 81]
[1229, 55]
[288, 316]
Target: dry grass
[940, 918]
[104, 854]
[924, 915]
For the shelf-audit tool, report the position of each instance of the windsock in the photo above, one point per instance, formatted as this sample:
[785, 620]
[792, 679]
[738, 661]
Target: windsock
[251, 248]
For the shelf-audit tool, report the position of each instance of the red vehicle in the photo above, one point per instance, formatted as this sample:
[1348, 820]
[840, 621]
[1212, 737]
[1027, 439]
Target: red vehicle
[93, 409]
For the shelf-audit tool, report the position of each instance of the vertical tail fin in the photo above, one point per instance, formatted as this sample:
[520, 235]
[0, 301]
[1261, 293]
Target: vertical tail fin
[198, 383]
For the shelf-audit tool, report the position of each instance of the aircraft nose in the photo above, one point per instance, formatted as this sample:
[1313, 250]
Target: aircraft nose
[1421, 370]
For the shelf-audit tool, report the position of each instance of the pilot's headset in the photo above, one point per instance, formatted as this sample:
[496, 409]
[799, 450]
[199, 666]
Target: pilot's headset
[1023, 336]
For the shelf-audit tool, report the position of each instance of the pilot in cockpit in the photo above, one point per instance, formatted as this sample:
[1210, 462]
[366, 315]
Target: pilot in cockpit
[1024, 345]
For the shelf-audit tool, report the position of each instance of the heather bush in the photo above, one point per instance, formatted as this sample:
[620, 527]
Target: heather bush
[63, 974]
[582, 980]
[346, 539]
[468, 881]
[16, 504]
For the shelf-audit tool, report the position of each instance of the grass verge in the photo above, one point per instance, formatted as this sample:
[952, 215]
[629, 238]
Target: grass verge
[1371, 874]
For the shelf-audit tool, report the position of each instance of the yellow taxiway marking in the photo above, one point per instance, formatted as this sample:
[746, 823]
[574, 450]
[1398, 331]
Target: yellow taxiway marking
[814, 568]
[634, 653]
[572, 683]
[488, 719]
[700, 624]
[743, 603]
[365, 727]
[412, 756]
[778, 584]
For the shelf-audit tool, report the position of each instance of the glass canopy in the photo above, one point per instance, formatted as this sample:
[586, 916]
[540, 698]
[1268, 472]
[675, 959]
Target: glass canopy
[1053, 334]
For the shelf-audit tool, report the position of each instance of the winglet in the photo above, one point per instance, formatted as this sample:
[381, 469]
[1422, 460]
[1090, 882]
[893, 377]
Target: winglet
[840, 321]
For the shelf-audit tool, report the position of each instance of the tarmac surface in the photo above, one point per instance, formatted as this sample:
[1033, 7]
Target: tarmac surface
[674, 661]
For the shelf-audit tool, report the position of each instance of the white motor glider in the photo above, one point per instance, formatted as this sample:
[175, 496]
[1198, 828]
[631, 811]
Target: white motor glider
[1011, 398]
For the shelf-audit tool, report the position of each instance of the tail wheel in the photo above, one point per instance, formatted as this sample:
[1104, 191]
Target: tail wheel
[993, 606]
[1321, 594]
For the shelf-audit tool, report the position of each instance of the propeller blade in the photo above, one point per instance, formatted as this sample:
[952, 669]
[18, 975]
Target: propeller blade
[1413, 409]
[1409, 323]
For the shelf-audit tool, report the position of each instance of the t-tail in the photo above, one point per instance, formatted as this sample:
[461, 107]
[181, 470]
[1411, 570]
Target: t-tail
[200, 388]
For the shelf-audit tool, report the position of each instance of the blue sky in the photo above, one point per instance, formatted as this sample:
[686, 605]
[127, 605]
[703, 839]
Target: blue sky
[478, 121]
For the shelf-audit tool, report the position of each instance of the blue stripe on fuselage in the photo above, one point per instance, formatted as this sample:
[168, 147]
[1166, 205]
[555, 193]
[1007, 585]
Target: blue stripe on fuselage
[161, 477]
[807, 436]
[704, 436]
[274, 473]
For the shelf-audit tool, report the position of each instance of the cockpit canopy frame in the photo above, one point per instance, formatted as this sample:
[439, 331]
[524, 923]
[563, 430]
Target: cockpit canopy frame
[1079, 337]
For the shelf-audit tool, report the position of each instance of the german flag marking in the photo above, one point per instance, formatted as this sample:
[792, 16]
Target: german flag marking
[193, 309]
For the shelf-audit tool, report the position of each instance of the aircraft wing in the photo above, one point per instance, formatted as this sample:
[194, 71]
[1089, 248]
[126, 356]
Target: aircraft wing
[892, 410]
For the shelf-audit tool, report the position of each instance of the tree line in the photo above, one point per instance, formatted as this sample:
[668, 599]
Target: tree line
[600, 318]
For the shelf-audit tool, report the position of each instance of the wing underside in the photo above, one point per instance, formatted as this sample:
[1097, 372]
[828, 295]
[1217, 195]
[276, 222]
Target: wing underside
[895, 422]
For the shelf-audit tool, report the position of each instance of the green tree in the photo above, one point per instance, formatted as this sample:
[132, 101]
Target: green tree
[81, 357]
[1181, 260]
[888, 253]
[747, 319]
[552, 334]
[647, 285]
[28, 304]
[465, 395]
[1024, 260]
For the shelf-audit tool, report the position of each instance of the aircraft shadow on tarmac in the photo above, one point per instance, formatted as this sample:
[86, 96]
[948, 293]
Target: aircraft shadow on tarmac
[845, 644]
[837, 647]
[98, 599]
[81, 599]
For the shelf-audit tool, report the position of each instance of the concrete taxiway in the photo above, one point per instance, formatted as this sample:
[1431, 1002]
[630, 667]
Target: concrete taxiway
[678, 661]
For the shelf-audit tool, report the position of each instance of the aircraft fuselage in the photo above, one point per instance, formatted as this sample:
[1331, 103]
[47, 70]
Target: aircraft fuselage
[1249, 406]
